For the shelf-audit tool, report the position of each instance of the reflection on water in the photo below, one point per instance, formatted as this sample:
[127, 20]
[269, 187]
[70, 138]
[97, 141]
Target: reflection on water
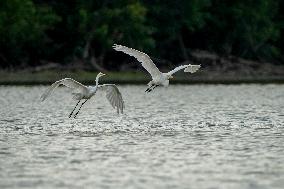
[178, 137]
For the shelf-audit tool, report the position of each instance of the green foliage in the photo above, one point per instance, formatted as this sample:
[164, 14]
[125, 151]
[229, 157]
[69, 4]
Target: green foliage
[171, 16]
[68, 30]
[173, 21]
[245, 27]
[22, 29]
[117, 21]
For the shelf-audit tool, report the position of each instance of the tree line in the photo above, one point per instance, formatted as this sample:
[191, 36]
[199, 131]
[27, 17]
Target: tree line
[33, 32]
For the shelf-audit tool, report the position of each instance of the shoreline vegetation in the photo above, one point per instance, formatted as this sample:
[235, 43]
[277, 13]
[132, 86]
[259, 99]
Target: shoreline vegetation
[43, 41]
[87, 77]
[214, 70]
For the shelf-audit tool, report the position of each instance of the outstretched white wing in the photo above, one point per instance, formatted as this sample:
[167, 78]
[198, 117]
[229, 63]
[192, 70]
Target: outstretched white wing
[187, 68]
[146, 61]
[114, 96]
[68, 82]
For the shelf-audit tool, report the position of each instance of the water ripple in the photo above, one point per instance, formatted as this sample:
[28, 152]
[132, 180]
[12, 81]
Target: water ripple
[197, 136]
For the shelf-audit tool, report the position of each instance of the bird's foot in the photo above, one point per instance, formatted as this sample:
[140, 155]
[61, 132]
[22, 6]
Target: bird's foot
[149, 89]
[76, 115]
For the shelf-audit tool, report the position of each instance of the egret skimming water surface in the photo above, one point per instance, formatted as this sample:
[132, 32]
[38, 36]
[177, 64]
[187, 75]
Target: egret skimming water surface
[81, 92]
[158, 78]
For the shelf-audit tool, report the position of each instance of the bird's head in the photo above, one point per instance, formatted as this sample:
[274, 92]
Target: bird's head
[170, 77]
[100, 74]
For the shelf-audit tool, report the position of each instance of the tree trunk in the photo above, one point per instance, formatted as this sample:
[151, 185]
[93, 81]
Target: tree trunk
[94, 63]
[89, 57]
[86, 49]
[183, 49]
[4, 60]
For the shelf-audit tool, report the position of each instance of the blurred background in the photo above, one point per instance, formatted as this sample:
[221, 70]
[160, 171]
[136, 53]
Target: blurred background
[234, 41]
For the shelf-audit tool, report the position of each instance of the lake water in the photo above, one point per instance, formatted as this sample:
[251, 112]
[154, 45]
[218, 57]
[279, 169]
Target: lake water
[184, 136]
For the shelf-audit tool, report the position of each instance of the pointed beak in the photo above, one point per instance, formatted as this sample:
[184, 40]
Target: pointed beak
[103, 74]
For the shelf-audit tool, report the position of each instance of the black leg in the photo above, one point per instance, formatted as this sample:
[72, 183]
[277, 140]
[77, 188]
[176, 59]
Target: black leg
[151, 88]
[80, 108]
[147, 90]
[74, 109]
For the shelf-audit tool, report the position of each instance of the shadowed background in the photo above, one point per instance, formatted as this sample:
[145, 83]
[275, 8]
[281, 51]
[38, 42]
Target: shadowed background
[233, 40]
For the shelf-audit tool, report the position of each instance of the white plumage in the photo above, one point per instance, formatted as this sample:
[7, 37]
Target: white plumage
[158, 78]
[114, 96]
[146, 61]
[187, 68]
[80, 91]
[77, 87]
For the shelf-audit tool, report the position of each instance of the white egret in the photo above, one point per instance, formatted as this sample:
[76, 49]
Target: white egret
[158, 78]
[81, 92]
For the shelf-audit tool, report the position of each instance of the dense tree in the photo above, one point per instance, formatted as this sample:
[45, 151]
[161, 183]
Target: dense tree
[22, 30]
[174, 20]
[109, 22]
[244, 28]
[83, 31]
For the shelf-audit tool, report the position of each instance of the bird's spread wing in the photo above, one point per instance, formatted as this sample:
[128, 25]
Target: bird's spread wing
[146, 61]
[68, 82]
[187, 68]
[114, 96]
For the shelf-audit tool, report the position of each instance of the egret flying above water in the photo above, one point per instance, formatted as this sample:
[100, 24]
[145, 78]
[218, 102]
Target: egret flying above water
[81, 92]
[158, 78]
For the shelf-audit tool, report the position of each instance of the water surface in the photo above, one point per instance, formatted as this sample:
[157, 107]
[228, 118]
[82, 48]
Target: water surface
[199, 136]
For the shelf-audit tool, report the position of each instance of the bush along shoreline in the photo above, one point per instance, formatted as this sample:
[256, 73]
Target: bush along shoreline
[214, 70]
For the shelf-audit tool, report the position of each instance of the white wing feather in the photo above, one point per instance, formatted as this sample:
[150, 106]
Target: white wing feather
[68, 82]
[187, 68]
[146, 61]
[114, 96]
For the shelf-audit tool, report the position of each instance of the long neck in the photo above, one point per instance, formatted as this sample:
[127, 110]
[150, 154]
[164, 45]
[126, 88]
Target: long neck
[97, 80]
